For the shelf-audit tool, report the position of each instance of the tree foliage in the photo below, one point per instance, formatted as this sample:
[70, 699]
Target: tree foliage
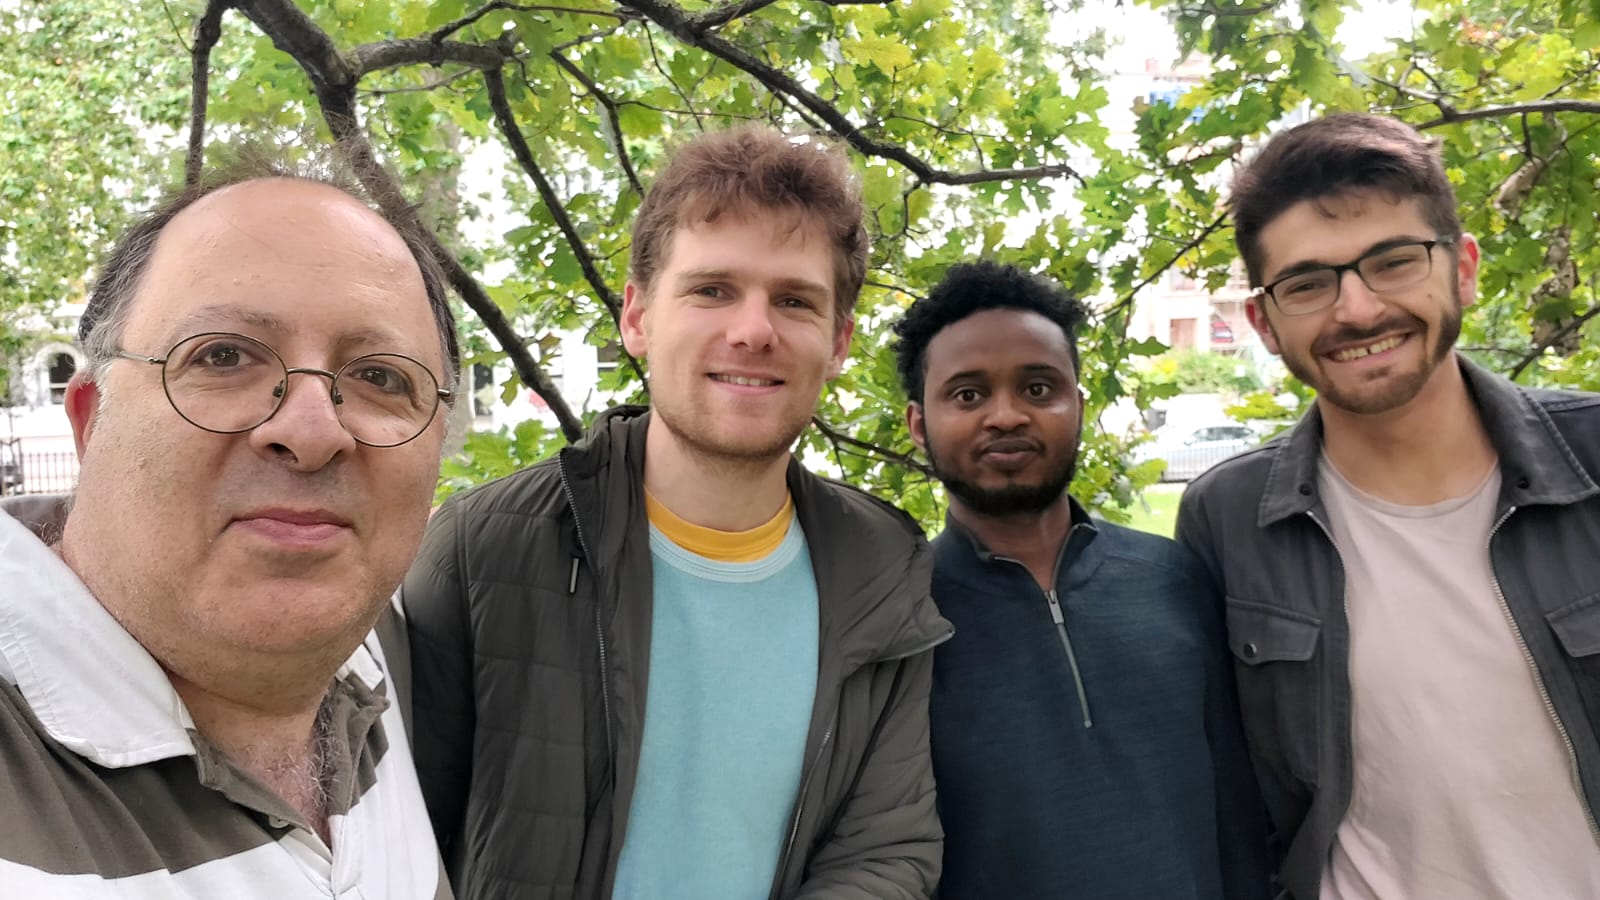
[975, 131]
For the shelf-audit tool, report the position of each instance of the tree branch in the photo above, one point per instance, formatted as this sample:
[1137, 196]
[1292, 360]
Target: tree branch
[839, 438]
[1452, 116]
[369, 58]
[610, 105]
[679, 24]
[1551, 340]
[1126, 300]
[494, 84]
[424, 88]
[207, 31]
[467, 20]
[722, 15]
[334, 81]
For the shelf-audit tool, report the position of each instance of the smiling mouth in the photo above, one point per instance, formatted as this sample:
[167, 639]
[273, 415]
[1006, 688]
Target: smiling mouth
[1350, 354]
[745, 381]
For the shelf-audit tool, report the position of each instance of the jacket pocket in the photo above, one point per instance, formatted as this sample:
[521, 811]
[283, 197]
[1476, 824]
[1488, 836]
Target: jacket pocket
[1279, 696]
[1577, 627]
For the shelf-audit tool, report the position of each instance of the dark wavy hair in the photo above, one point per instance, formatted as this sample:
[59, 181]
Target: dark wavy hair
[1331, 156]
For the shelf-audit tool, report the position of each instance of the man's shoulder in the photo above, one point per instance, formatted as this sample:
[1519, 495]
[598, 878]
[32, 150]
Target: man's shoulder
[1578, 408]
[1246, 472]
[1143, 547]
[880, 518]
[524, 492]
[1159, 562]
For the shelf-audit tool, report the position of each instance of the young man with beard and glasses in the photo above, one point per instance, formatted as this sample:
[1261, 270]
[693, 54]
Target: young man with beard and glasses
[670, 662]
[1410, 572]
[192, 701]
[1086, 740]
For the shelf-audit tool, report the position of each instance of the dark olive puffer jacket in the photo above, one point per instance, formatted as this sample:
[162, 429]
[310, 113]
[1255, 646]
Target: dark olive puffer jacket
[529, 616]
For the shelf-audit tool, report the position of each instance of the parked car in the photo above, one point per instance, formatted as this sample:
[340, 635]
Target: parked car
[10, 470]
[1189, 453]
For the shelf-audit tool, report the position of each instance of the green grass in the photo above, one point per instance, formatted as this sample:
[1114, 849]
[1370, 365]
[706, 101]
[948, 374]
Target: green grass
[1157, 510]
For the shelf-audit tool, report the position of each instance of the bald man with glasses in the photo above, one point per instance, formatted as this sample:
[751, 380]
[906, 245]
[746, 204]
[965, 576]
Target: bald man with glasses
[192, 702]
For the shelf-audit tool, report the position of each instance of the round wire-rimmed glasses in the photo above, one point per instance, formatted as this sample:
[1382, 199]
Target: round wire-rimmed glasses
[228, 383]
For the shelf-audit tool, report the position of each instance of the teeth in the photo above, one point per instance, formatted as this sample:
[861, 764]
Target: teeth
[740, 379]
[1368, 350]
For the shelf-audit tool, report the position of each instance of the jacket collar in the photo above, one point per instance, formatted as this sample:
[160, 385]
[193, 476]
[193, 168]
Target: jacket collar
[1537, 465]
[861, 561]
[1081, 532]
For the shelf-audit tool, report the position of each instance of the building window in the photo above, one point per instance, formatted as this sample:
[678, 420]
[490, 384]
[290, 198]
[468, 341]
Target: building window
[1182, 334]
[482, 389]
[608, 356]
[62, 368]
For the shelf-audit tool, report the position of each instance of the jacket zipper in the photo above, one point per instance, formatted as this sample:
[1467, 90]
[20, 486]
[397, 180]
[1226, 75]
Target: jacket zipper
[816, 760]
[794, 819]
[1072, 658]
[1544, 694]
[599, 630]
[1527, 656]
[1054, 603]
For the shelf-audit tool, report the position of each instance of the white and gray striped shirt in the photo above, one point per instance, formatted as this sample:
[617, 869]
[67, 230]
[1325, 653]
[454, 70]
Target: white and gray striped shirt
[111, 792]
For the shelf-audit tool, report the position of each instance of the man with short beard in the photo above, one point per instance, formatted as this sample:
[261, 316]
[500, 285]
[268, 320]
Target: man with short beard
[1410, 572]
[1085, 736]
[671, 663]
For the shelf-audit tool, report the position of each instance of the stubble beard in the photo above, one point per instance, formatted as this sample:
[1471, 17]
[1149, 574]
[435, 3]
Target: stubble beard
[728, 455]
[1397, 390]
[1012, 499]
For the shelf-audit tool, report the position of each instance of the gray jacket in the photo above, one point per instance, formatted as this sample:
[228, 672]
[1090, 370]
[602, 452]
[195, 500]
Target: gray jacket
[1257, 522]
[529, 616]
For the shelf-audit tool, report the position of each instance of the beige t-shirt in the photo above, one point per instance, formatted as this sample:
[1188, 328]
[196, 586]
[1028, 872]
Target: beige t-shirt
[1464, 789]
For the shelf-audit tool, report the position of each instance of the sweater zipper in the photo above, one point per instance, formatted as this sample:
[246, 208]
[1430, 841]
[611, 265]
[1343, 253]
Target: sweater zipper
[816, 761]
[1544, 693]
[1054, 603]
[599, 630]
[1072, 658]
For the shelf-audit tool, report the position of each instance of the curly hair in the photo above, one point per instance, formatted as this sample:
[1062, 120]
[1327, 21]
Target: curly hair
[974, 287]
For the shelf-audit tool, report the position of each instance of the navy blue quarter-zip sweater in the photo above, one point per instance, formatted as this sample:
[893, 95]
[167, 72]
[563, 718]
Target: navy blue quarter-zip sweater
[1086, 739]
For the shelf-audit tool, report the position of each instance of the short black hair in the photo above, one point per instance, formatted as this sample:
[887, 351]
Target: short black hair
[974, 287]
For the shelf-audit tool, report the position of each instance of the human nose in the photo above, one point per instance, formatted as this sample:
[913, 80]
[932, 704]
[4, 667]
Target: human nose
[1356, 302]
[305, 430]
[751, 325]
[1004, 413]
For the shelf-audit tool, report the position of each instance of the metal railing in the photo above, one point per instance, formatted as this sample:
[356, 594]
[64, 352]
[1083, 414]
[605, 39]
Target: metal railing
[38, 473]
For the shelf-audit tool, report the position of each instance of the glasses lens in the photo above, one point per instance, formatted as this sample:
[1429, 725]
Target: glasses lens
[223, 382]
[386, 399]
[1397, 268]
[1307, 292]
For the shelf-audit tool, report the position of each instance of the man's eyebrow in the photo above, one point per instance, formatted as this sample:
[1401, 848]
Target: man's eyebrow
[1308, 265]
[967, 375]
[1043, 368]
[801, 285]
[221, 316]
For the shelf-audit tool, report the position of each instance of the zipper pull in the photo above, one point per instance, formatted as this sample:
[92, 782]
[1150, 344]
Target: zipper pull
[1055, 607]
[572, 580]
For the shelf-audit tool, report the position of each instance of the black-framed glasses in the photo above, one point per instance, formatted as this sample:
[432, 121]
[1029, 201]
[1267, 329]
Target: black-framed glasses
[1386, 269]
[228, 383]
